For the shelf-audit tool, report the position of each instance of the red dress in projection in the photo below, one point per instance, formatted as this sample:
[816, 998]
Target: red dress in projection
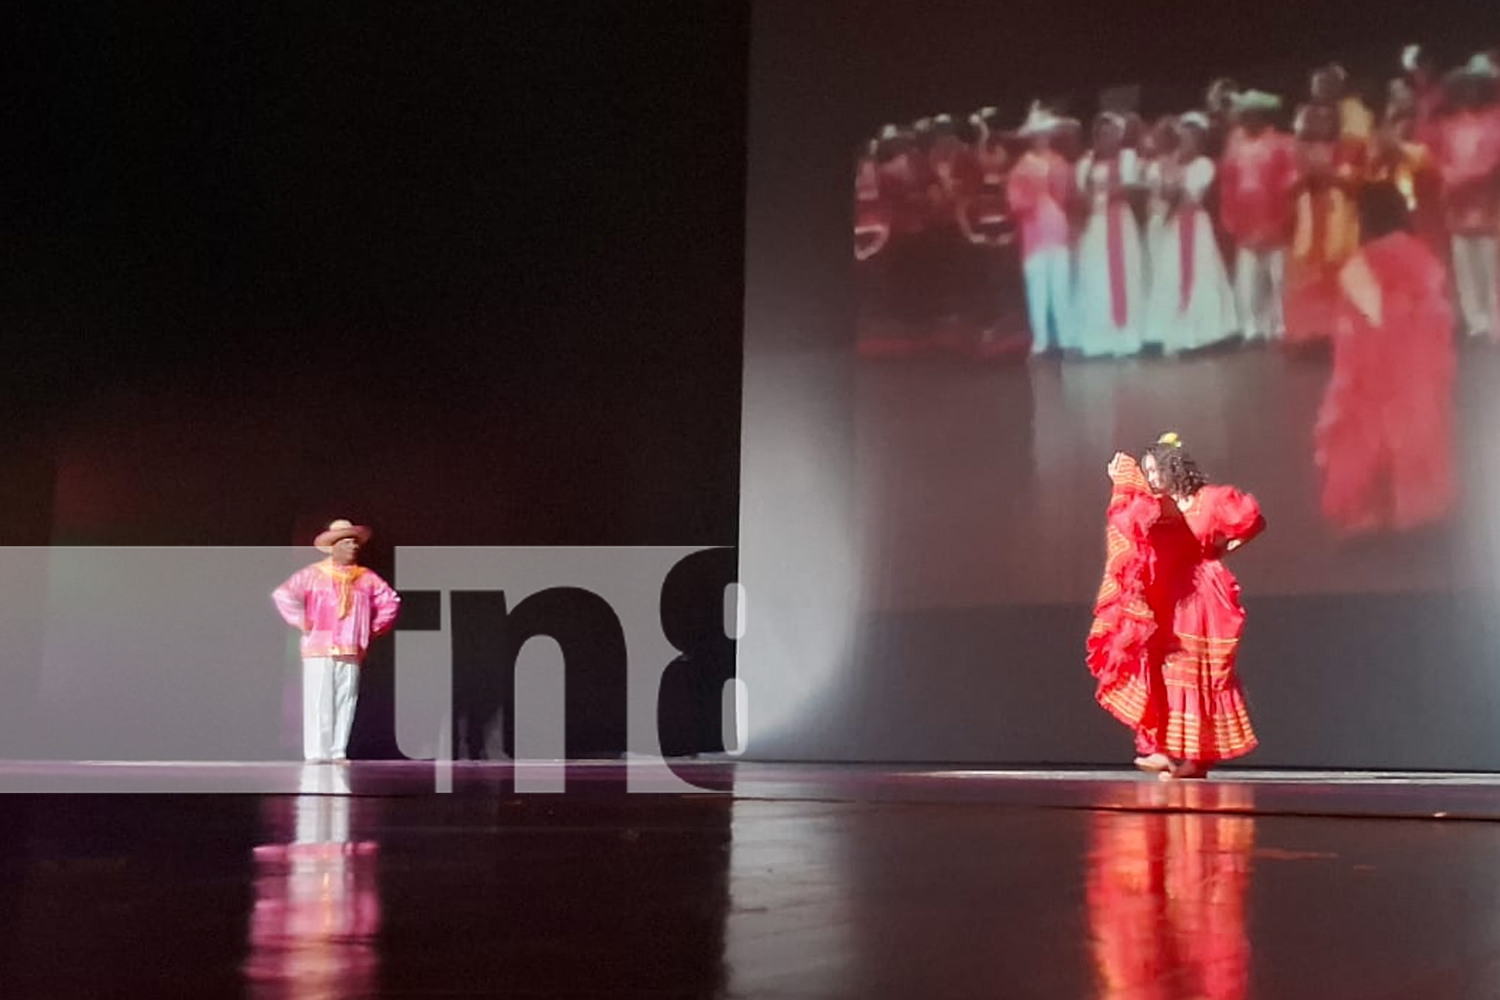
[1384, 436]
[1168, 619]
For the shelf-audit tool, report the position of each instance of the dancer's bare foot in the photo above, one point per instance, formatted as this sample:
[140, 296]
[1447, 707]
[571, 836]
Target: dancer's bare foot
[1154, 762]
[1183, 771]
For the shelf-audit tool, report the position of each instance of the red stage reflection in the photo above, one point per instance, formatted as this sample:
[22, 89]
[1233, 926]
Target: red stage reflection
[1166, 904]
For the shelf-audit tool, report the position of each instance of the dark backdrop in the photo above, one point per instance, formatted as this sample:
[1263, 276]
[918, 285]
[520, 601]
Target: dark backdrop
[471, 272]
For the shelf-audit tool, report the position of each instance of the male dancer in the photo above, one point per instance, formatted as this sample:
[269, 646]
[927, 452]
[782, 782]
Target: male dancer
[338, 605]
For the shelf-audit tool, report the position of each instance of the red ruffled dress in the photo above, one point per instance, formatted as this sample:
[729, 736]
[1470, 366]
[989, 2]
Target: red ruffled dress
[1168, 619]
[1384, 438]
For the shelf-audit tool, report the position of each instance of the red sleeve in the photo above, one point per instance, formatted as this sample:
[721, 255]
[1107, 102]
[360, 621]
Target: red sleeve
[1020, 189]
[1237, 517]
[1128, 477]
[1133, 507]
[1123, 623]
[1060, 177]
[1288, 162]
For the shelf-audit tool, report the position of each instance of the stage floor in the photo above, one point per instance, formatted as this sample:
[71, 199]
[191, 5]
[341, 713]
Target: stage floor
[1394, 794]
[744, 880]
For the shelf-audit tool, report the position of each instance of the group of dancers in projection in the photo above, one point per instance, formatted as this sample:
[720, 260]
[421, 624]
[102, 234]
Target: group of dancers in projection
[1177, 234]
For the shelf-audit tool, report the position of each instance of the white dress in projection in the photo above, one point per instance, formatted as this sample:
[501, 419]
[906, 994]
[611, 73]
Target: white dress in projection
[1190, 303]
[1110, 304]
[1157, 213]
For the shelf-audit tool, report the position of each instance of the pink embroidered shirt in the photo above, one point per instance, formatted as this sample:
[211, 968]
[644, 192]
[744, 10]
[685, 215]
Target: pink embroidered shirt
[1038, 189]
[338, 609]
[1467, 145]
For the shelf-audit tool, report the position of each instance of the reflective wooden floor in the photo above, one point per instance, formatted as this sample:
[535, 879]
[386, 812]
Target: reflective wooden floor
[751, 881]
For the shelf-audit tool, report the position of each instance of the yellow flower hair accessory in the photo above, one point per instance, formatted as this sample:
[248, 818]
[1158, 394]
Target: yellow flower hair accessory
[1171, 439]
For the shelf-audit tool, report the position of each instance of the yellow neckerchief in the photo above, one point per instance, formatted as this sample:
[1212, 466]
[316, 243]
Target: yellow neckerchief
[343, 582]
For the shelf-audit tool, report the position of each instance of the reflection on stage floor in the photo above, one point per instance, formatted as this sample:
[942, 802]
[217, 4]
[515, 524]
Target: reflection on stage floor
[749, 880]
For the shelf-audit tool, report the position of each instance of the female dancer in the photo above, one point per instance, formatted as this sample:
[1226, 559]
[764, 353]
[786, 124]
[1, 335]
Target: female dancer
[1168, 616]
[1190, 304]
[1384, 436]
[1111, 261]
[1327, 222]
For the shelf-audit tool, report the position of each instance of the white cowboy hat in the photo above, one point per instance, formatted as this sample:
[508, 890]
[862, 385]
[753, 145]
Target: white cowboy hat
[1257, 100]
[337, 531]
[1038, 120]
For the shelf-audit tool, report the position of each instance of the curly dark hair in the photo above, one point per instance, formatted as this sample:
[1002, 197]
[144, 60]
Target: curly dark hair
[1180, 475]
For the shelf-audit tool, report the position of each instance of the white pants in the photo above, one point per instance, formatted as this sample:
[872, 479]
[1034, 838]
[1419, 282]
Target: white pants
[1049, 289]
[330, 688]
[1259, 276]
[1476, 270]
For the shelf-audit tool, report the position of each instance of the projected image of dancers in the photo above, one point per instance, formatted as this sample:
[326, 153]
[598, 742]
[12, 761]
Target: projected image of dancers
[1277, 184]
[1305, 268]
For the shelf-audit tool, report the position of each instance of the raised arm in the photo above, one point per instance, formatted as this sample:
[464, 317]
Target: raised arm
[1126, 475]
[1123, 621]
[1133, 505]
